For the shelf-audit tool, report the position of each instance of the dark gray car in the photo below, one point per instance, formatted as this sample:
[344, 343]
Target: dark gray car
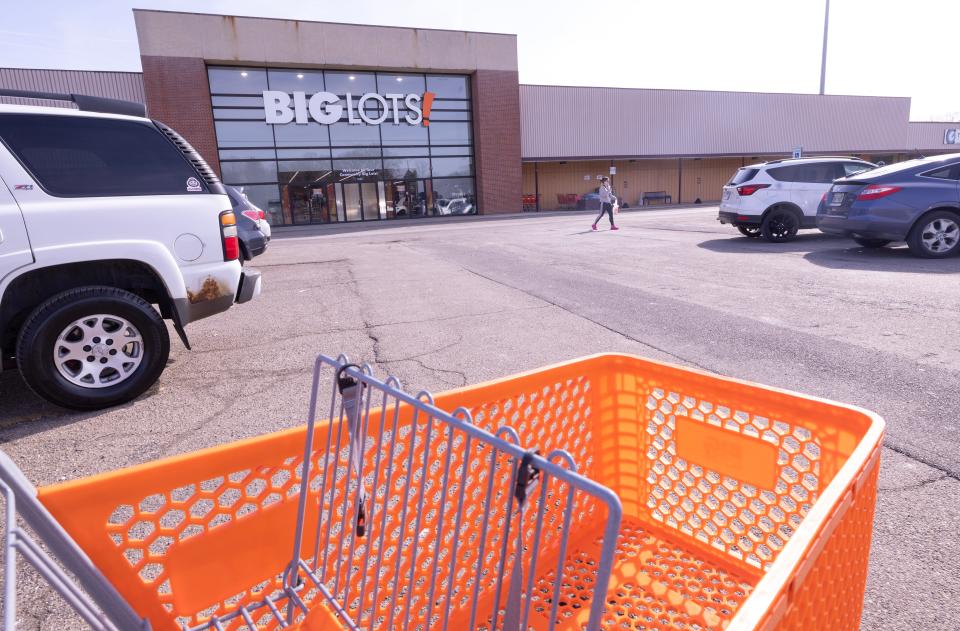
[917, 201]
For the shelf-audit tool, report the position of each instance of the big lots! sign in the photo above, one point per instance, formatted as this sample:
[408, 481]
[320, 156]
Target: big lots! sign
[327, 108]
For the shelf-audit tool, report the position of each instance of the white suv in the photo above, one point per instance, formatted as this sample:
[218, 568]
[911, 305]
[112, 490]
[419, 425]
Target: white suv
[775, 199]
[103, 214]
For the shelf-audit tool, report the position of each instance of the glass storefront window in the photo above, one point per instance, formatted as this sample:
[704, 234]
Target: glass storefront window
[253, 171]
[305, 173]
[346, 135]
[449, 104]
[255, 102]
[404, 134]
[237, 80]
[297, 135]
[405, 151]
[231, 113]
[388, 83]
[443, 167]
[407, 168]
[452, 150]
[454, 196]
[449, 87]
[241, 154]
[450, 133]
[243, 134]
[352, 82]
[440, 115]
[302, 152]
[296, 80]
[357, 152]
[315, 173]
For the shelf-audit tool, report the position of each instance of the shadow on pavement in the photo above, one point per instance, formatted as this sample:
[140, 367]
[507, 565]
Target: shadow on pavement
[895, 259]
[23, 413]
[745, 245]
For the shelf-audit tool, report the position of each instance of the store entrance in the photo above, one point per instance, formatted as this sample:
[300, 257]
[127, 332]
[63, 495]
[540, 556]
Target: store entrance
[308, 197]
[361, 201]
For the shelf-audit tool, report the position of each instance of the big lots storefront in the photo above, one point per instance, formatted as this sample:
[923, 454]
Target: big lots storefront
[325, 123]
[329, 123]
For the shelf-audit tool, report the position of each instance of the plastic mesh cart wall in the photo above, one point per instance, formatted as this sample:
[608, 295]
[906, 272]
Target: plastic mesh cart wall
[743, 507]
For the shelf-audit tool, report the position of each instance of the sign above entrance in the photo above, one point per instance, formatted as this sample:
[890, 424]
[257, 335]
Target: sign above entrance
[352, 173]
[327, 108]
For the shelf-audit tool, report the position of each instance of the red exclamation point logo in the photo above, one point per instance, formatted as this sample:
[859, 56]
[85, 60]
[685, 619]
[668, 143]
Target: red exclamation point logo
[427, 104]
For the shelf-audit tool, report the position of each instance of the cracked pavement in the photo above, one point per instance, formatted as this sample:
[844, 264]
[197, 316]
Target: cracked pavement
[441, 305]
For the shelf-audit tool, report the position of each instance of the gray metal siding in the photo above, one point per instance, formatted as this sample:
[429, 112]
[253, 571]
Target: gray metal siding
[115, 85]
[575, 122]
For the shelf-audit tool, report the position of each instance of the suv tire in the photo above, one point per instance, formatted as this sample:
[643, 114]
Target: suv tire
[871, 243]
[936, 235]
[125, 337]
[780, 225]
[749, 231]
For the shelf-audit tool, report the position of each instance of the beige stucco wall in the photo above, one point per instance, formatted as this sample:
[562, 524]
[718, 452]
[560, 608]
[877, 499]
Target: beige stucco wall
[275, 42]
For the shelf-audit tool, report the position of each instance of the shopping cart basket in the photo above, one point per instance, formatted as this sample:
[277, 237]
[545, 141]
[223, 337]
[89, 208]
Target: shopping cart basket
[607, 492]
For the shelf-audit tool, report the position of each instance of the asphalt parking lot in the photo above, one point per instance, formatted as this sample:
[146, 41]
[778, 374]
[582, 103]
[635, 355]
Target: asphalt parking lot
[447, 304]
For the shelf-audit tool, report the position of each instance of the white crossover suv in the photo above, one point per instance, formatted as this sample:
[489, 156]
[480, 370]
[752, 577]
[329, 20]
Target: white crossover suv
[775, 199]
[109, 223]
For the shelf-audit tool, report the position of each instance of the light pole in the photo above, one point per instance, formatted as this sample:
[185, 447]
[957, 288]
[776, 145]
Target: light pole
[823, 59]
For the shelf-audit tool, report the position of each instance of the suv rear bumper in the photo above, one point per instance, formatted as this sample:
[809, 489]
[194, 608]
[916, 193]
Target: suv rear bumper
[737, 219]
[250, 284]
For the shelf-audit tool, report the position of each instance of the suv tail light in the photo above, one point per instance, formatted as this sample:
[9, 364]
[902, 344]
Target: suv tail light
[228, 235]
[255, 213]
[876, 191]
[749, 189]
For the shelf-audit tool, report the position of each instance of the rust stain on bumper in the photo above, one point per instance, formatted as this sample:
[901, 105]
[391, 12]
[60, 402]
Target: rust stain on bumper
[210, 290]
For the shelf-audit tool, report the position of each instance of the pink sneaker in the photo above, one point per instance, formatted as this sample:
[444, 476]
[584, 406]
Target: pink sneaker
[594, 226]
[614, 228]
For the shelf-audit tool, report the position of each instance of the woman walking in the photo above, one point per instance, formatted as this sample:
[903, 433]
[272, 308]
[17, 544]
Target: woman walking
[606, 203]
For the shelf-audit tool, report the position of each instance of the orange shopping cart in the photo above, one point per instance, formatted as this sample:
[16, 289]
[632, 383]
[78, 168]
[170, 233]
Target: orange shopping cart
[608, 492]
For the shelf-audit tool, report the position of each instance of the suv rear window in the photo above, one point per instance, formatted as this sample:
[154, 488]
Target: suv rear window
[75, 156]
[742, 175]
[813, 172]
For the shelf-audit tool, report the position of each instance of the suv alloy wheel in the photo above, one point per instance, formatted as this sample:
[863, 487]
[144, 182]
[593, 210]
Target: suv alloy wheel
[779, 225]
[92, 347]
[936, 235]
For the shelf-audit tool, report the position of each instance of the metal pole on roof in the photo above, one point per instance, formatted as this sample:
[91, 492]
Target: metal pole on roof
[823, 59]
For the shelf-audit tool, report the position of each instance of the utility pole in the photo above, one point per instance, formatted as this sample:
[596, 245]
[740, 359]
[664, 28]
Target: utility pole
[823, 59]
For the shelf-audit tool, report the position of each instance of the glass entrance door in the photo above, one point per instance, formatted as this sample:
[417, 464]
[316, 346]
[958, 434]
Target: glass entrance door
[361, 201]
[351, 201]
[369, 201]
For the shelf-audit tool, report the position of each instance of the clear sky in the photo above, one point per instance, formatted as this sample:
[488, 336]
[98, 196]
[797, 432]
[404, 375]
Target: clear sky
[876, 47]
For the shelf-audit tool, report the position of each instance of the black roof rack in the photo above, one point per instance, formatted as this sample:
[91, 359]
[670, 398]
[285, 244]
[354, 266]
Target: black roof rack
[84, 102]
